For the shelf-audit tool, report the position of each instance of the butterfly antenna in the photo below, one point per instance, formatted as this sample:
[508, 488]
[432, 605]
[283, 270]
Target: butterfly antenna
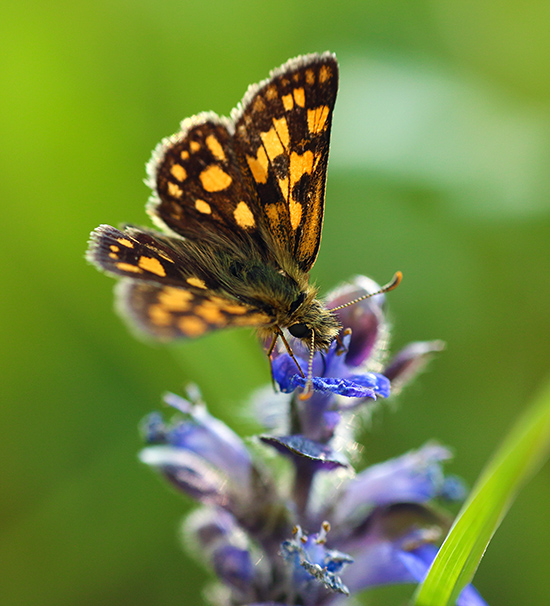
[394, 283]
[308, 388]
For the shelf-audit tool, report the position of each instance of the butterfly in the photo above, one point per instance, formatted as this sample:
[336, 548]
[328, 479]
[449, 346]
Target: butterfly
[240, 203]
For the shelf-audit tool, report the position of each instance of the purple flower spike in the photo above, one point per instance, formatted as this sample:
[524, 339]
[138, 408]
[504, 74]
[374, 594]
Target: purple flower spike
[212, 526]
[189, 473]
[249, 528]
[233, 566]
[367, 385]
[209, 438]
[225, 546]
[200, 455]
[314, 564]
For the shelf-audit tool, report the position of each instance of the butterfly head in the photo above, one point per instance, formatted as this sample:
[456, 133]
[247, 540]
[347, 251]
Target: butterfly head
[317, 326]
[313, 324]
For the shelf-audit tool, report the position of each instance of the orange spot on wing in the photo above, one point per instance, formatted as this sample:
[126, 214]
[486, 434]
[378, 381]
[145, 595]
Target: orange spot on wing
[159, 315]
[211, 313]
[271, 92]
[179, 172]
[134, 269]
[317, 119]
[258, 166]
[259, 105]
[288, 102]
[203, 207]
[174, 190]
[152, 265]
[192, 326]
[295, 210]
[281, 128]
[299, 97]
[215, 147]
[300, 164]
[228, 306]
[243, 216]
[196, 282]
[272, 144]
[175, 299]
[213, 178]
[325, 73]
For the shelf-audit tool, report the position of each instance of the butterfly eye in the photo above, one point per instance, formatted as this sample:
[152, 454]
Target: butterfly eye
[300, 331]
[297, 303]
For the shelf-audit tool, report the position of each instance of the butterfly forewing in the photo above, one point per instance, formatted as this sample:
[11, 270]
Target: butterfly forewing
[200, 189]
[282, 130]
[136, 254]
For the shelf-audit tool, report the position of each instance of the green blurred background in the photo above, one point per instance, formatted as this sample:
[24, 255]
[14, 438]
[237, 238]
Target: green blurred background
[439, 167]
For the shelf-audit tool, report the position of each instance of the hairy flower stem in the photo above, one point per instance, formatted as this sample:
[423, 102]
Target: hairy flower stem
[302, 488]
[294, 421]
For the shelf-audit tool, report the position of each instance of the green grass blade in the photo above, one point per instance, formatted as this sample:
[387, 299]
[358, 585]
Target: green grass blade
[518, 458]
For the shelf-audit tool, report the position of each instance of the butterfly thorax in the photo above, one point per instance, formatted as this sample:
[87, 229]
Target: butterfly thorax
[288, 299]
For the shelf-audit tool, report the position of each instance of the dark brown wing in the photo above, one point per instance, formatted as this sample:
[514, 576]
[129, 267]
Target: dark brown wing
[200, 190]
[258, 180]
[282, 131]
[169, 289]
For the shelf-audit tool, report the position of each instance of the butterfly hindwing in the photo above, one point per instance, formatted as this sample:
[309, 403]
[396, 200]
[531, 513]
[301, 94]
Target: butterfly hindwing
[282, 131]
[168, 312]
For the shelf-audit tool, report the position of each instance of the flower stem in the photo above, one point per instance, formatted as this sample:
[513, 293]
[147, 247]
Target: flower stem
[302, 488]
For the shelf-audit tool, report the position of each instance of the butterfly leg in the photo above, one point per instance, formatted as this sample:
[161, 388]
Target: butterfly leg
[289, 350]
[269, 352]
[342, 349]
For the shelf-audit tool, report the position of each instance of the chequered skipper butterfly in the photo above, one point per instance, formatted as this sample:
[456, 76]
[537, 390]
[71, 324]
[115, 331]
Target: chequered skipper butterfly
[240, 201]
